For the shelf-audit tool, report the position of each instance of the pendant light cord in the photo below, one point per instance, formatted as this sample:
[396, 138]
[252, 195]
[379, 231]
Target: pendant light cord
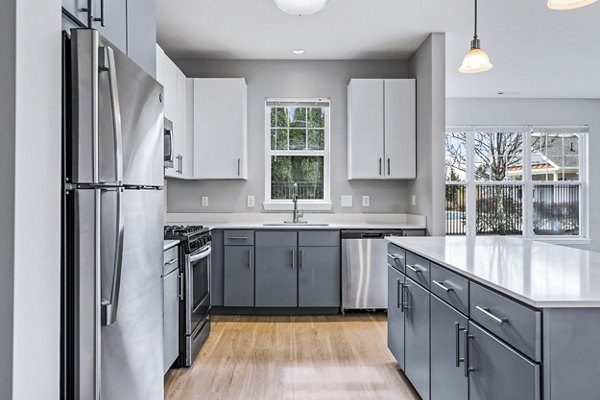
[475, 30]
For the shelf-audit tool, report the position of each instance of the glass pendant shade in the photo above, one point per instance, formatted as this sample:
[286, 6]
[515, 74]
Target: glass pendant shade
[300, 7]
[476, 60]
[568, 4]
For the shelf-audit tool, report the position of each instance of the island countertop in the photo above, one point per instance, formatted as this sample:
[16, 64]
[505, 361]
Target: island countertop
[539, 274]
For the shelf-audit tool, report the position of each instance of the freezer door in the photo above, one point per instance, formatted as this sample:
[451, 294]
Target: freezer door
[120, 357]
[116, 135]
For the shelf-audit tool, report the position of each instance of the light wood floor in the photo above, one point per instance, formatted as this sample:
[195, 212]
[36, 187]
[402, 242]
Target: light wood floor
[293, 357]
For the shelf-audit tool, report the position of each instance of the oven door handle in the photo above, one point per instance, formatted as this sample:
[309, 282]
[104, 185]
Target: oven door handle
[200, 255]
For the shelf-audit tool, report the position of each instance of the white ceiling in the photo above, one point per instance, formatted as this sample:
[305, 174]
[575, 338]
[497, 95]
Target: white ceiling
[536, 52]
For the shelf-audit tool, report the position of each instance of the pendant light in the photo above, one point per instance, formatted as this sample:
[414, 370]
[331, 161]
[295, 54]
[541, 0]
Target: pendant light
[300, 7]
[476, 60]
[568, 4]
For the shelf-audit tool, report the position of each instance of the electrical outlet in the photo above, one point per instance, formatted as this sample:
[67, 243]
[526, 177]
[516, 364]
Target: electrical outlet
[366, 201]
[204, 201]
[346, 201]
[414, 200]
[250, 201]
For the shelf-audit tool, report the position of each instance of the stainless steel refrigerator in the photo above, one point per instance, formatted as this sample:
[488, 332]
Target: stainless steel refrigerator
[113, 224]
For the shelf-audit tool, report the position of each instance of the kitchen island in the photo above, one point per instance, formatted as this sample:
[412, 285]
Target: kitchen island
[494, 318]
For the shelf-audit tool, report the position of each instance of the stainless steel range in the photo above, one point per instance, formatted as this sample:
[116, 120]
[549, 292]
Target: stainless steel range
[194, 307]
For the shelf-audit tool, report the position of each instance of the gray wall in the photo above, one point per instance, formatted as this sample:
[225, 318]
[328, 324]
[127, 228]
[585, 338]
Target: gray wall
[540, 112]
[30, 137]
[428, 66]
[7, 193]
[290, 79]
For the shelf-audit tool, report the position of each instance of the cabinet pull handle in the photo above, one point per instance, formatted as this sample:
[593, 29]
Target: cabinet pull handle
[457, 330]
[414, 268]
[101, 19]
[380, 166]
[300, 259]
[395, 257]
[399, 295]
[239, 166]
[238, 237]
[250, 258]
[442, 286]
[180, 294]
[486, 311]
[405, 291]
[389, 166]
[466, 363]
[293, 259]
[180, 164]
[171, 262]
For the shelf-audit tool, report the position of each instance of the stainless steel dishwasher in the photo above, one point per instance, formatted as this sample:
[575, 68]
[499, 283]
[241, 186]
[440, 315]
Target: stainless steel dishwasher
[364, 267]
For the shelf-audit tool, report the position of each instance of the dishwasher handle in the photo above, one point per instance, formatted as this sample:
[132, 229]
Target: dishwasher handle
[372, 235]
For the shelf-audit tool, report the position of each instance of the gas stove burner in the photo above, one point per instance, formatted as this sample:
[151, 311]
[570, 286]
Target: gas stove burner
[183, 230]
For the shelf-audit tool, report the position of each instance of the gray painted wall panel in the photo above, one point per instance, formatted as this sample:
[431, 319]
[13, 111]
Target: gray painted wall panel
[427, 65]
[290, 79]
[7, 194]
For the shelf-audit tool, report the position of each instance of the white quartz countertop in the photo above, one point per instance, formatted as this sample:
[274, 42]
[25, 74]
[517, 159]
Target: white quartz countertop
[327, 221]
[169, 243]
[539, 274]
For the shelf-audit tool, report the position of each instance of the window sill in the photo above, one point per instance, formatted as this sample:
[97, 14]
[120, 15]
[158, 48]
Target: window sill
[562, 240]
[302, 205]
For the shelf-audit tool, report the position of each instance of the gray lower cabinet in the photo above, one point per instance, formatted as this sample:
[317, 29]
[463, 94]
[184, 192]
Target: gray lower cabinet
[276, 276]
[416, 340]
[497, 371]
[217, 269]
[448, 338]
[238, 276]
[395, 315]
[319, 276]
[170, 318]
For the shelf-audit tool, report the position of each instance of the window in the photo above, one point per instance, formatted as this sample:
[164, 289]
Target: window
[297, 152]
[527, 181]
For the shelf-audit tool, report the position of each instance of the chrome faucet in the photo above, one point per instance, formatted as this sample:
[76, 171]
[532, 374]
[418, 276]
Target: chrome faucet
[297, 214]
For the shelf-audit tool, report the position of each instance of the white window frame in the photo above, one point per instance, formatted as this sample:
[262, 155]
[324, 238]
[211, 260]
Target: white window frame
[526, 182]
[305, 205]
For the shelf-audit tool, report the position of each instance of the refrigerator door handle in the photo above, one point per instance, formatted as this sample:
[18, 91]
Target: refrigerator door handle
[107, 64]
[109, 307]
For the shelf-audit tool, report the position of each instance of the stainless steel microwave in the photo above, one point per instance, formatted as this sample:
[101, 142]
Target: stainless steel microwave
[169, 150]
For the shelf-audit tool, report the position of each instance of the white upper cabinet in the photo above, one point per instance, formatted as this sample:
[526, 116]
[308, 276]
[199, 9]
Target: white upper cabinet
[400, 124]
[220, 129]
[175, 100]
[382, 129]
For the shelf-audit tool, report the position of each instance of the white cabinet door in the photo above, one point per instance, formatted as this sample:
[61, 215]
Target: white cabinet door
[180, 128]
[365, 129]
[220, 129]
[170, 86]
[400, 128]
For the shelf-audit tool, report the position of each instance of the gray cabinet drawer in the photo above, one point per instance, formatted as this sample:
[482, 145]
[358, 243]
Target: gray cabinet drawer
[276, 238]
[417, 268]
[238, 238]
[450, 287]
[518, 325]
[319, 238]
[396, 257]
[497, 372]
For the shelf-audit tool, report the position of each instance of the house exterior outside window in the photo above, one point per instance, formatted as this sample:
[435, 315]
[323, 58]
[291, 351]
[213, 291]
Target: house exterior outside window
[528, 181]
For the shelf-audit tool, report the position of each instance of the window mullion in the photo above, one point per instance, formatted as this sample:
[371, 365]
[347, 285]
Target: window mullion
[471, 218]
[527, 206]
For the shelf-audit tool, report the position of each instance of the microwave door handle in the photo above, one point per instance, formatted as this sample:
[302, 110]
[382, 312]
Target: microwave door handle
[107, 62]
[109, 307]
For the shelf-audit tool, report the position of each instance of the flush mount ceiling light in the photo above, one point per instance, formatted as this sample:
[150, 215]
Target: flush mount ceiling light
[568, 4]
[476, 60]
[298, 51]
[300, 7]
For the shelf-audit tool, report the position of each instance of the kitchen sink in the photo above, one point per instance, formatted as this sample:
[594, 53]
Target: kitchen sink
[294, 224]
